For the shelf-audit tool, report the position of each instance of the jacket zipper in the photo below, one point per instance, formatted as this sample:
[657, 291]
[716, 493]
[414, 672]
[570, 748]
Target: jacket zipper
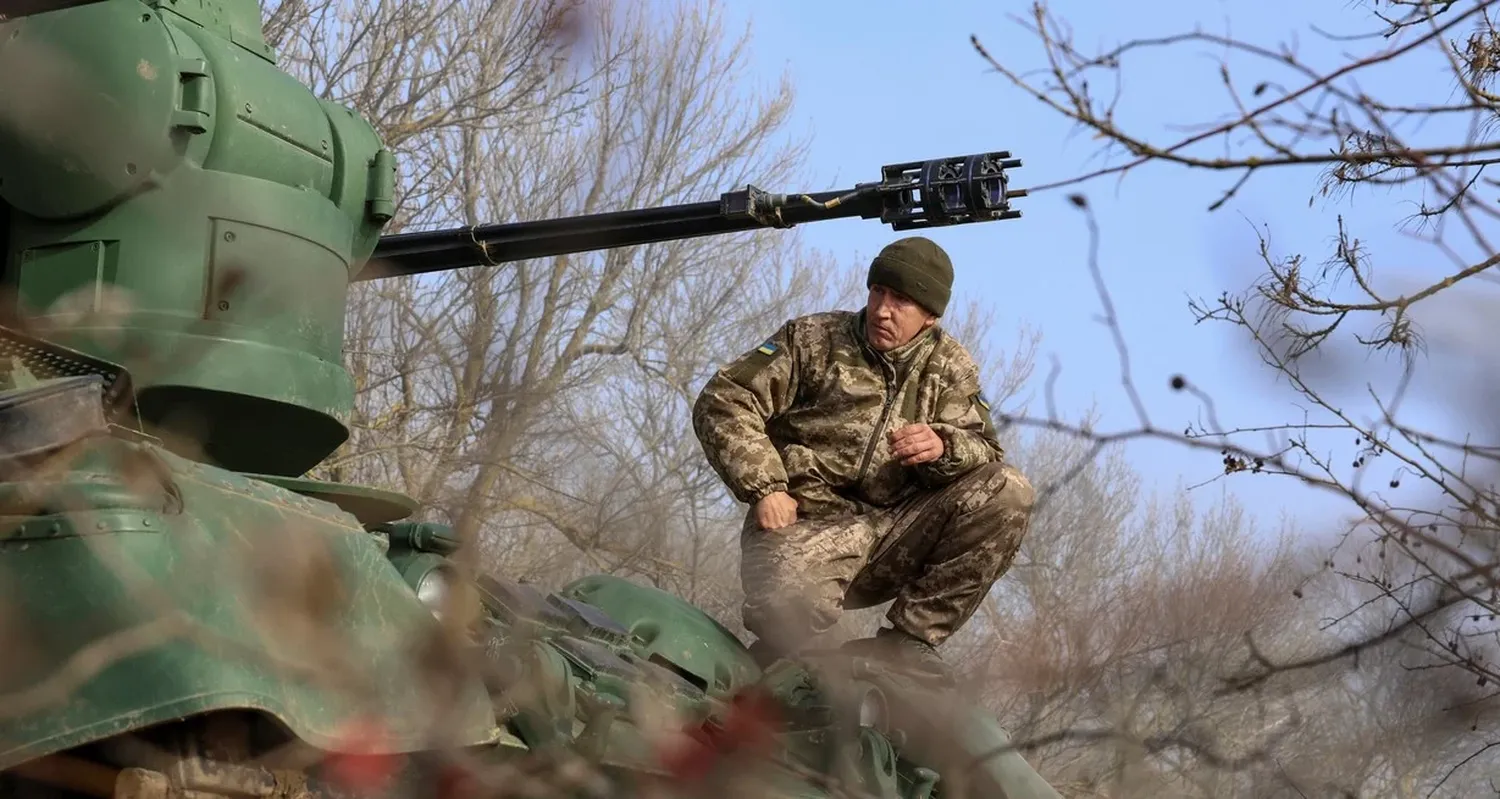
[885, 413]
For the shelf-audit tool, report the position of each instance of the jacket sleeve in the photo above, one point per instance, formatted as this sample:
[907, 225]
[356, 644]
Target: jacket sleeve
[733, 409]
[962, 419]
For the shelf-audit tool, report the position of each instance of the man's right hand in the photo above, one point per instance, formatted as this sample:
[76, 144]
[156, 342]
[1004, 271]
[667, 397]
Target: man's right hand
[775, 511]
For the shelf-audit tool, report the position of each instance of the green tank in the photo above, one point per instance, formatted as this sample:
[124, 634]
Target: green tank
[152, 152]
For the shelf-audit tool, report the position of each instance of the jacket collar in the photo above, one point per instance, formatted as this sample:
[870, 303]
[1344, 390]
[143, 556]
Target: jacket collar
[901, 356]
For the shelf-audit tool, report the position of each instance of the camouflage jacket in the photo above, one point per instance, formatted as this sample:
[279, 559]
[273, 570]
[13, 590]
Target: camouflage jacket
[807, 412]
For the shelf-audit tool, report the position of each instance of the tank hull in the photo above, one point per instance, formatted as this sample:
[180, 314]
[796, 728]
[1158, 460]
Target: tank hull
[145, 587]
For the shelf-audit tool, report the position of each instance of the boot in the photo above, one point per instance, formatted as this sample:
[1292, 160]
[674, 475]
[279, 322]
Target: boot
[904, 653]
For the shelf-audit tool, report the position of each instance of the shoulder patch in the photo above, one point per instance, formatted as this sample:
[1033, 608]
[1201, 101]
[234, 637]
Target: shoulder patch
[748, 366]
[979, 398]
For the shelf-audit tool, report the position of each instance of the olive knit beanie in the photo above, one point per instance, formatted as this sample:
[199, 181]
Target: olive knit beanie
[917, 267]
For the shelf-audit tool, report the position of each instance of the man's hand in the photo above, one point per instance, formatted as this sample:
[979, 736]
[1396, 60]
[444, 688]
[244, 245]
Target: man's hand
[916, 443]
[775, 511]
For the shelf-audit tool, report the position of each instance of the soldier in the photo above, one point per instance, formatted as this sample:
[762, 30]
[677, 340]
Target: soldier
[866, 450]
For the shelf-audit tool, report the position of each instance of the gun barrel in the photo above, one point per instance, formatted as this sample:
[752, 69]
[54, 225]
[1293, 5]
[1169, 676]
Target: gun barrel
[916, 194]
[439, 250]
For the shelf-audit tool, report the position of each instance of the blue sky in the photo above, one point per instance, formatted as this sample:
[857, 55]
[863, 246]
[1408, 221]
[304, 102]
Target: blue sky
[879, 81]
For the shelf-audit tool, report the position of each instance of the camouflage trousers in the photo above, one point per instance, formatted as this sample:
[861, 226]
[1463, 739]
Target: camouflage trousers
[936, 555]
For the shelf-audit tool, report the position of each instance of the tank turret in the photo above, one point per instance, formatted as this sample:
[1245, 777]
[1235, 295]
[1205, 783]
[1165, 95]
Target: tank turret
[180, 225]
[171, 167]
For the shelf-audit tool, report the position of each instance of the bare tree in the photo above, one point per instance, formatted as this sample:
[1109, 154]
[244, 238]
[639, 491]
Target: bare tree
[1101, 648]
[427, 75]
[544, 401]
[1415, 611]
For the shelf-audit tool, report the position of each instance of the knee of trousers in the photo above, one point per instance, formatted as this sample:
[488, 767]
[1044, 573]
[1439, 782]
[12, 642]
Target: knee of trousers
[1002, 488]
[791, 614]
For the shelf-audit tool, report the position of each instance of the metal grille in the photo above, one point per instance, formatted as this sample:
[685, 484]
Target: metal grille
[47, 360]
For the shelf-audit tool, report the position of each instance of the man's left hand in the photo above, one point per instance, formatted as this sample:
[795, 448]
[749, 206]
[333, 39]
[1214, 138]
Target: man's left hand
[916, 443]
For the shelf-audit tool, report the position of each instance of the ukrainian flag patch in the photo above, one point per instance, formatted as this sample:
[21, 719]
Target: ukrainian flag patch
[768, 348]
[983, 403]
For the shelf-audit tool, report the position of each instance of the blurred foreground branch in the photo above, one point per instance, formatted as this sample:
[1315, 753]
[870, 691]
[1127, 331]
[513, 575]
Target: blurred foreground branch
[1407, 592]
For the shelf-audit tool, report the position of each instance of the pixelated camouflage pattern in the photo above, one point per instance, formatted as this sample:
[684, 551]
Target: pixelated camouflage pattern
[936, 555]
[808, 413]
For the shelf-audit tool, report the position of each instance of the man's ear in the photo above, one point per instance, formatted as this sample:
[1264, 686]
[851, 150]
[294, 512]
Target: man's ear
[930, 321]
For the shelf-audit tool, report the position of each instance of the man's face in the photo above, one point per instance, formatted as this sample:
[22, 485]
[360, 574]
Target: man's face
[893, 319]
